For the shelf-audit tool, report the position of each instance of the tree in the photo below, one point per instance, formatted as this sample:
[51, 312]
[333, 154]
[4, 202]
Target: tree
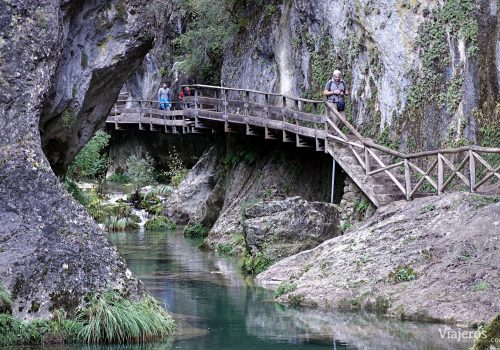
[140, 170]
[92, 161]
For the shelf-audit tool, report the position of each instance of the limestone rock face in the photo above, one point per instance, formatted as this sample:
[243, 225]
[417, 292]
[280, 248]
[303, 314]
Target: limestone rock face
[434, 258]
[285, 227]
[51, 252]
[383, 51]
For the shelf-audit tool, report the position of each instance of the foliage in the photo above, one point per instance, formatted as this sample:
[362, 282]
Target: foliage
[140, 169]
[243, 152]
[162, 190]
[362, 207]
[158, 223]
[68, 118]
[453, 95]
[110, 318]
[384, 139]
[5, 301]
[118, 178]
[481, 286]
[58, 330]
[116, 224]
[402, 273]
[195, 231]
[92, 161]
[284, 288]
[76, 192]
[177, 171]
[489, 336]
[254, 265]
[84, 60]
[225, 248]
[210, 26]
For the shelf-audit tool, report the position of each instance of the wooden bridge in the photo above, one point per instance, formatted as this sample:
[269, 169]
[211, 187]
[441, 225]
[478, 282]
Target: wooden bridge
[383, 174]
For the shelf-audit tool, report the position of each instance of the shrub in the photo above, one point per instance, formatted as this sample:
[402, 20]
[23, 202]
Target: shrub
[225, 248]
[177, 171]
[110, 318]
[158, 223]
[402, 273]
[92, 161]
[118, 178]
[115, 224]
[254, 265]
[195, 231]
[76, 192]
[284, 288]
[140, 170]
[5, 301]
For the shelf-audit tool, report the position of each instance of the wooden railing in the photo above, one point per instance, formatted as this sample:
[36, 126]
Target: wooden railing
[412, 174]
[473, 171]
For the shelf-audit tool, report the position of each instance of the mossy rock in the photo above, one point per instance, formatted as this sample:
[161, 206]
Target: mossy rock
[195, 231]
[490, 336]
[159, 223]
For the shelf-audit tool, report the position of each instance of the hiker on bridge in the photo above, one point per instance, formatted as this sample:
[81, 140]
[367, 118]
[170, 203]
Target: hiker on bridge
[164, 98]
[336, 90]
[185, 92]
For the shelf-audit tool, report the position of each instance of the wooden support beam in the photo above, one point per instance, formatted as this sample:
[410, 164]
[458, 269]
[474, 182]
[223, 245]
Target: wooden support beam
[407, 180]
[440, 174]
[472, 172]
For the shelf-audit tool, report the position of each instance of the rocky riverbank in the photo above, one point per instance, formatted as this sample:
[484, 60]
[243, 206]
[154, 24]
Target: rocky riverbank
[433, 259]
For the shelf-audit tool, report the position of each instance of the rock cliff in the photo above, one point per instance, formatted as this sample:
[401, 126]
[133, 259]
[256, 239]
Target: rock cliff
[62, 65]
[428, 72]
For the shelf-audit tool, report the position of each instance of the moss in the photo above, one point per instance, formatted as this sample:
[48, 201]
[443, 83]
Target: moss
[68, 118]
[5, 301]
[490, 336]
[284, 288]
[74, 91]
[402, 273]
[84, 60]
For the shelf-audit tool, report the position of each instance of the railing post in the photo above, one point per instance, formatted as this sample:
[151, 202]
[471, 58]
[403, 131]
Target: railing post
[407, 180]
[440, 174]
[367, 161]
[196, 93]
[224, 102]
[472, 171]
[140, 116]
[332, 185]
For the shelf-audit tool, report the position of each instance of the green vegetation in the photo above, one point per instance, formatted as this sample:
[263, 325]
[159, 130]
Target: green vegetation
[92, 161]
[427, 209]
[110, 318]
[225, 248]
[68, 118]
[284, 288]
[84, 60]
[362, 207]
[118, 178]
[117, 224]
[481, 286]
[140, 170]
[456, 19]
[210, 26]
[177, 171]
[402, 273]
[5, 301]
[489, 336]
[346, 225]
[483, 200]
[158, 223]
[195, 231]
[384, 139]
[254, 265]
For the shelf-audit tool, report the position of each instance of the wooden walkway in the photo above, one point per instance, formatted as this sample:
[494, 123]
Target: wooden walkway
[383, 174]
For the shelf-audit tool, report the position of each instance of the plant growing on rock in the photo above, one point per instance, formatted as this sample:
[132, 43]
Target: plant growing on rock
[159, 223]
[402, 273]
[177, 171]
[195, 231]
[115, 224]
[284, 288]
[5, 301]
[140, 170]
[254, 265]
[92, 161]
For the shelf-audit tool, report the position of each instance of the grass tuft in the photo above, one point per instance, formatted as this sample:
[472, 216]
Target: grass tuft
[158, 223]
[110, 318]
[5, 301]
[195, 231]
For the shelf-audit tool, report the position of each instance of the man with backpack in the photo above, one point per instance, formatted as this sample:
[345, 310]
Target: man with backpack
[164, 98]
[336, 90]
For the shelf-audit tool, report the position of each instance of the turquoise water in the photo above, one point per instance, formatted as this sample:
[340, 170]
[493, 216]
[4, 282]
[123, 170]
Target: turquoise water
[216, 308]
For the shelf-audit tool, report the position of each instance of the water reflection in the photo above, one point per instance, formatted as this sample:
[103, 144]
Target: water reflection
[217, 308]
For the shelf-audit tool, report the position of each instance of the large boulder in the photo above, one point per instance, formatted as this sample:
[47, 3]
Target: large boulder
[69, 59]
[285, 227]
